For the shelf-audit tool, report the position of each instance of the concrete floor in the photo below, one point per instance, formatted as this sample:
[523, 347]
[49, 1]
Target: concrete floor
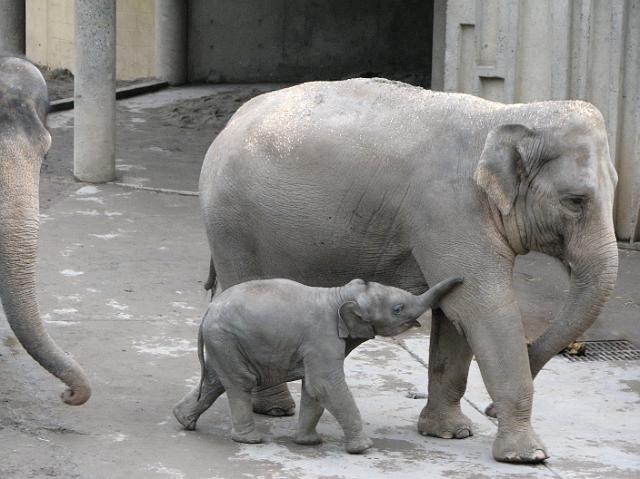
[120, 285]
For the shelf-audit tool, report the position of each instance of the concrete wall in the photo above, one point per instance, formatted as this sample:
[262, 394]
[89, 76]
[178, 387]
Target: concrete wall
[50, 35]
[294, 40]
[521, 51]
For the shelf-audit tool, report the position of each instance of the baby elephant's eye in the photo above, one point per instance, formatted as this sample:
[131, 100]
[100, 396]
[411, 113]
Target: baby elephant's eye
[397, 309]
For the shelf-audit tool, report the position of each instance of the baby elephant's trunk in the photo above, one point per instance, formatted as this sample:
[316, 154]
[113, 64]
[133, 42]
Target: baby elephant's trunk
[431, 298]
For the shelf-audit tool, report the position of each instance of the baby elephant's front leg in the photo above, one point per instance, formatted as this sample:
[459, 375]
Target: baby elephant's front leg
[310, 412]
[328, 386]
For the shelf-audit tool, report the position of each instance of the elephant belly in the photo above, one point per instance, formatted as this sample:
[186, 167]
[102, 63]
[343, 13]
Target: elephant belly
[310, 256]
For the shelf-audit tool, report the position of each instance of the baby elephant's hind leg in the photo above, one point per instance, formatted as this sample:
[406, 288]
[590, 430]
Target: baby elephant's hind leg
[189, 409]
[244, 426]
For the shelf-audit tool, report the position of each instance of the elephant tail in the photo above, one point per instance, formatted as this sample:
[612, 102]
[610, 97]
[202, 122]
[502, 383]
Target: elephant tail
[210, 285]
[201, 357]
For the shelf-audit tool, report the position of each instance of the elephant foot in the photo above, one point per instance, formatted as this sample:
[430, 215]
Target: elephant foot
[188, 421]
[358, 444]
[275, 401]
[308, 439]
[275, 411]
[522, 447]
[252, 437]
[491, 411]
[452, 424]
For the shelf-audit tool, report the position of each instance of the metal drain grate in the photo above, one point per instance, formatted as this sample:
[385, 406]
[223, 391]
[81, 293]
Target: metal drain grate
[614, 350]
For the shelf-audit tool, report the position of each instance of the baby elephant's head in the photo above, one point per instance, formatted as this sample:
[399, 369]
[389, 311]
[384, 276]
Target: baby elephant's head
[383, 310]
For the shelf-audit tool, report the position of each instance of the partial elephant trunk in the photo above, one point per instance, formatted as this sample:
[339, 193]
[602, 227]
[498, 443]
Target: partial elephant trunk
[432, 297]
[18, 246]
[593, 276]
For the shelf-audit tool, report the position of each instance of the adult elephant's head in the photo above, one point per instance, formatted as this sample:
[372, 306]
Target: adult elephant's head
[24, 140]
[551, 190]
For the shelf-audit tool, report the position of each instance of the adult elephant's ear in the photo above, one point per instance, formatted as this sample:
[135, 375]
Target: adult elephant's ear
[351, 324]
[508, 156]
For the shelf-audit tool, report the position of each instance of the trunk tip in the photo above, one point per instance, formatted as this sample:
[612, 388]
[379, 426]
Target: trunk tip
[77, 396]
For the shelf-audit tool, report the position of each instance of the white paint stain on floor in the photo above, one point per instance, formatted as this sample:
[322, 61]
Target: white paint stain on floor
[71, 272]
[116, 305]
[161, 469]
[108, 214]
[106, 236]
[63, 311]
[60, 323]
[126, 167]
[163, 346]
[182, 305]
[118, 437]
[87, 190]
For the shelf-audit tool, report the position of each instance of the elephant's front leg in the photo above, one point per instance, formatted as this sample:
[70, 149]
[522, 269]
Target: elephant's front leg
[496, 336]
[325, 383]
[449, 359]
[310, 412]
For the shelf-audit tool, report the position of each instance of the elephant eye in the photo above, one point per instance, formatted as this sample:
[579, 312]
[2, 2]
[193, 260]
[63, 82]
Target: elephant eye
[575, 203]
[397, 309]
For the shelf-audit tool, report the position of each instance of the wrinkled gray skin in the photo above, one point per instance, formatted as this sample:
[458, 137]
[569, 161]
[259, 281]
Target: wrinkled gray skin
[24, 141]
[262, 333]
[379, 180]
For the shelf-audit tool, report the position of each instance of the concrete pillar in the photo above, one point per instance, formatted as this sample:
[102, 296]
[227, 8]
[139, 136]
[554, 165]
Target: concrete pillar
[438, 46]
[94, 139]
[12, 27]
[171, 40]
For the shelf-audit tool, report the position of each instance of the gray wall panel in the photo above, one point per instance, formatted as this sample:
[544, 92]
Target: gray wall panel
[296, 40]
[520, 51]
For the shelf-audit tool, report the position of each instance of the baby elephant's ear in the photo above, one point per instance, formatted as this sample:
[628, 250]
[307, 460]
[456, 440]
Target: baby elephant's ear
[351, 324]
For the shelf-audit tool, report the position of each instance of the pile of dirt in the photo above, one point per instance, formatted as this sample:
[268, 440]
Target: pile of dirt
[412, 78]
[209, 113]
[60, 82]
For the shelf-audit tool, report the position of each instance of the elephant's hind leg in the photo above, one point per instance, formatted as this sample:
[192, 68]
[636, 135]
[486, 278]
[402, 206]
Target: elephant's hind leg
[190, 407]
[237, 266]
[449, 359]
[244, 427]
[274, 401]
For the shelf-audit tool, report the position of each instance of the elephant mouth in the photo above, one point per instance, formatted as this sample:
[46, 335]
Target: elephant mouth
[413, 323]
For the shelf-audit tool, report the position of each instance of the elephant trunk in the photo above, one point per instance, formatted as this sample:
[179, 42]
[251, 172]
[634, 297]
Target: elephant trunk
[432, 297]
[593, 275]
[19, 228]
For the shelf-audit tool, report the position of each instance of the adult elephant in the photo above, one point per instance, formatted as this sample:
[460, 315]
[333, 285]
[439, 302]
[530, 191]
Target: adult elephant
[24, 141]
[328, 181]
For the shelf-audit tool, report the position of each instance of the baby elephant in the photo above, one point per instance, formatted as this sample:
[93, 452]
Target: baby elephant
[262, 333]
